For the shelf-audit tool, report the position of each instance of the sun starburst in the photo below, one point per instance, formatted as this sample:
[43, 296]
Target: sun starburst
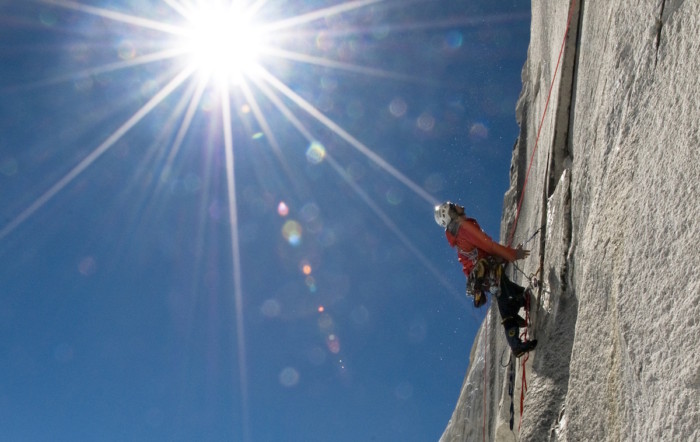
[223, 42]
[217, 44]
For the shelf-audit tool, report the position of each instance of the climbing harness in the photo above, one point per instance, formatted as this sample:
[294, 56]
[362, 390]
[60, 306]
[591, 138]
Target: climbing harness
[484, 277]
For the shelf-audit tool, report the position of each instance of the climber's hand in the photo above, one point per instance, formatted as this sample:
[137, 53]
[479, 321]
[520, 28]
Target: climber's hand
[520, 253]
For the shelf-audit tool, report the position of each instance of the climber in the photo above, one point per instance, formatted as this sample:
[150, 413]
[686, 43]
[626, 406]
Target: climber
[482, 261]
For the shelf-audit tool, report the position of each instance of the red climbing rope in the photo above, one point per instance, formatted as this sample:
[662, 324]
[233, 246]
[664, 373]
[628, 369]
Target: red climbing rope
[539, 129]
[523, 387]
[486, 343]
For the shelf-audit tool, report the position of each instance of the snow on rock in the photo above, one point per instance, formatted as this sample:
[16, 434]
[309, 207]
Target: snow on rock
[615, 181]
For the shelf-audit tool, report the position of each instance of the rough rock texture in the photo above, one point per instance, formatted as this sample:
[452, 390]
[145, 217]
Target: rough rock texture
[615, 181]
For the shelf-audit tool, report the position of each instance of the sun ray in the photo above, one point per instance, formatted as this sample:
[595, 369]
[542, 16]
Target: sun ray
[286, 112]
[107, 68]
[281, 95]
[154, 155]
[330, 124]
[445, 23]
[115, 16]
[321, 61]
[317, 15]
[97, 152]
[255, 7]
[236, 254]
[460, 21]
[267, 130]
[391, 225]
[259, 116]
[186, 121]
[177, 7]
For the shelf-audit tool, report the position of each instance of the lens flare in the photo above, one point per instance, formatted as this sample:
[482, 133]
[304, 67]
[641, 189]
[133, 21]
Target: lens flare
[325, 323]
[226, 44]
[271, 308]
[282, 209]
[311, 284]
[87, 266]
[426, 122]
[333, 344]
[398, 107]
[291, 231]
[478, 131]
[289, 377]
[454, 40]
[315, 153]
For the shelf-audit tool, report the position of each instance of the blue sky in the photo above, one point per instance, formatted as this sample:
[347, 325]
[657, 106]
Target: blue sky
[176, 265]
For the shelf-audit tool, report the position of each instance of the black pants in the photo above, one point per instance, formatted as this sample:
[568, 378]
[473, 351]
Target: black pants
[510, 301]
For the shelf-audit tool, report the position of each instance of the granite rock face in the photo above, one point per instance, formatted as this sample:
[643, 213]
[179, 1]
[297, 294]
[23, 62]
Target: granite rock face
[615, 181]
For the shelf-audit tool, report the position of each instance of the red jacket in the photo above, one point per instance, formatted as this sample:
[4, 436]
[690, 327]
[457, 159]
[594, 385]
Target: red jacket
[473, 244]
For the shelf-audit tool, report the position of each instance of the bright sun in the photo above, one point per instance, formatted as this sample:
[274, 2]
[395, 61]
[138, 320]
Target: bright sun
[223, 43]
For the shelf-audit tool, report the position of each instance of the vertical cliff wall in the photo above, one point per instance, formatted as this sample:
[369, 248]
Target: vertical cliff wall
[615, 182]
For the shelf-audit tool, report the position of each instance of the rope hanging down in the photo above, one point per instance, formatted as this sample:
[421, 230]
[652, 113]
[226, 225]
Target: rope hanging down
[483, 411]
[515, 224]
[523, 384]
[539, 129]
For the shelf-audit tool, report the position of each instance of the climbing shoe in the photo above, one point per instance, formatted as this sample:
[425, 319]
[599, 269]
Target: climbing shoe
[525, 347]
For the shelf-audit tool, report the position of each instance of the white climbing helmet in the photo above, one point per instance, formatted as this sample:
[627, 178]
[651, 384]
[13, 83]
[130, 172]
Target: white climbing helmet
[443, 214]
